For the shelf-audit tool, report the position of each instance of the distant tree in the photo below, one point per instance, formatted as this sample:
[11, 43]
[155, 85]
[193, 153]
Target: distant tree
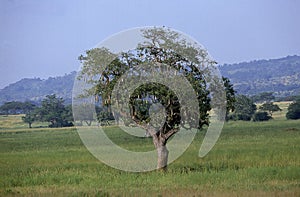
[30, 114]
[230, 96]
[16, 107]
[263, 97]
[67, 116]
[294, 110]
[244, 108]
[270, 107]
[13, 107]
[54, 111]
[29, 118]
[104, 116]
[84, 114]
[7, 107]
[28, 107]
[261, 116]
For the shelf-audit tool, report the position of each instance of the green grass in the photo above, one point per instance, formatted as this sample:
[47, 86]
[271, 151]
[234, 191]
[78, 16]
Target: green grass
[249, 159]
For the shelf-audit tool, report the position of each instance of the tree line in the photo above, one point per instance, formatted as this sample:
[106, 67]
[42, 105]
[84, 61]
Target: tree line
[246, 109]
[53, 110]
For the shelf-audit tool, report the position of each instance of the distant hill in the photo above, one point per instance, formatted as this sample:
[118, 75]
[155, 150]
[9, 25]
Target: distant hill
[36, 89]
[281, 76]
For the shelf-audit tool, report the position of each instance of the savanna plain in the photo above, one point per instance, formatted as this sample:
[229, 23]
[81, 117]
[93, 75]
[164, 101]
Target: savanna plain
[249, 159]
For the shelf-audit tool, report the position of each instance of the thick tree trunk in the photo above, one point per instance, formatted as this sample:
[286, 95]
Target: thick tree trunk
[162, 157]
[160, 141]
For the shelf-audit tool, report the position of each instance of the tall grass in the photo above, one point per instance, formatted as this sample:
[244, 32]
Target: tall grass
[249, 159]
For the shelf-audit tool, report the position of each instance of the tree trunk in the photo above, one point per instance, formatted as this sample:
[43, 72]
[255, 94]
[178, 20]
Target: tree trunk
[29, 125]
[160, 141]
[88, 122]
[162, 157]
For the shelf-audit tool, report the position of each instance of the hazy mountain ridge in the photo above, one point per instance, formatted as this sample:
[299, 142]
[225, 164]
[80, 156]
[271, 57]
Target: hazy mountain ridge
[281, 76]
[36, 89]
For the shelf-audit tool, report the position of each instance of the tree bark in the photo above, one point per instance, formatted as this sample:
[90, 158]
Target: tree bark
[159, 141]
[162, 157]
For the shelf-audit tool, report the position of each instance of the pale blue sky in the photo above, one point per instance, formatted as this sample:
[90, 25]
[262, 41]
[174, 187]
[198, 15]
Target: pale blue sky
[42, 38]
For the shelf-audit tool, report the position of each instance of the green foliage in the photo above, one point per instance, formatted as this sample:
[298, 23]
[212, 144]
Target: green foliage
[159, 48]
[163, 51]
[261, 116]
[270, 107]
[230, 94]
[140, 104]
[54, 111]
[29, 118]
[84, 113]
[294, 110]
[103, 116]
[16, 107]
[244, 108]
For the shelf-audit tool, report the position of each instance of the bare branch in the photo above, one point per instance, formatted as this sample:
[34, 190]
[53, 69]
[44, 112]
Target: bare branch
[147, 127]
[170, 133]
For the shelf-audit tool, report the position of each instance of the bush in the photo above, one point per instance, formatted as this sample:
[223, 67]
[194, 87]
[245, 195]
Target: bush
[261, 116]
[235, 116]
[294, 110]
[61, 124]
[244, 108]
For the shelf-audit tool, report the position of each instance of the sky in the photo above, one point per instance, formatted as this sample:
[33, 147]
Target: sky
[44, 38]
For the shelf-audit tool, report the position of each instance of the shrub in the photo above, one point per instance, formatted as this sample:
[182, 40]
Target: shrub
[235, 116]
[294, 110]
[261, 116]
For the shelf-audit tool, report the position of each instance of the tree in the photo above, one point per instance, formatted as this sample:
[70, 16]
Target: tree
[83, 114]
[244, 108]
[30, 113]
[157, 51]
[261, 116]
[29, 118]
[11, 107]
[230, 96]
[54, 111]
[16, 107]
[294, 110]
[270, 107]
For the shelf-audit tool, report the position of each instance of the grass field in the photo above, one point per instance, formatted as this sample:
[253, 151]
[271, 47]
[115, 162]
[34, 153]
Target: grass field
[249, 159]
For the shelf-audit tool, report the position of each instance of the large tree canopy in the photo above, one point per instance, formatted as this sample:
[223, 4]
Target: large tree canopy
[54, 111]
[270, 107]
[164, 51]
[244, 108]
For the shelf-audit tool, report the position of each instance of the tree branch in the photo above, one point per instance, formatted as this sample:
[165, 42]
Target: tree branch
[170, 133]
[147, 127]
